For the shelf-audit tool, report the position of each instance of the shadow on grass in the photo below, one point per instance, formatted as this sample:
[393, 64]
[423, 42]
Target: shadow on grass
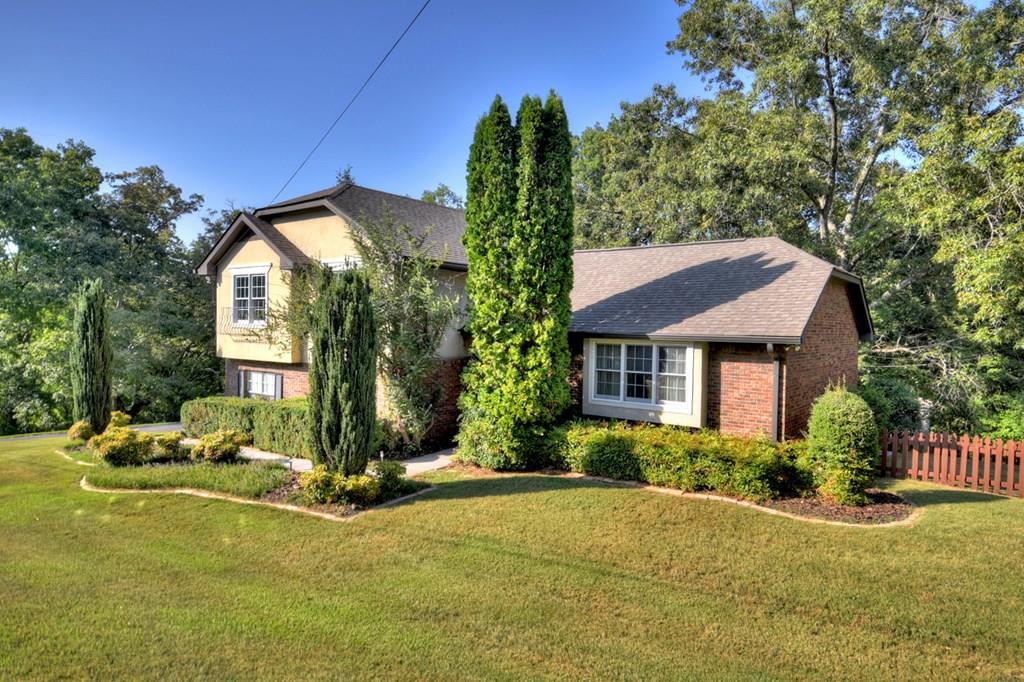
[511, 484]
[935, 495]
[517, 484]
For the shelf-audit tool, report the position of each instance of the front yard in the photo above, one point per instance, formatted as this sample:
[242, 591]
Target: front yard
[491, 577]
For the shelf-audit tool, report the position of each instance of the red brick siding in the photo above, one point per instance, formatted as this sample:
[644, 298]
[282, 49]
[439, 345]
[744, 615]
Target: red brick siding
[740, 389]
[446, 419]
[828, 355]
[295, 382]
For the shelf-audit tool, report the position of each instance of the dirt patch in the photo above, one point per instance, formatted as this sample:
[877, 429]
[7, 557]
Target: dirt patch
[883, 507]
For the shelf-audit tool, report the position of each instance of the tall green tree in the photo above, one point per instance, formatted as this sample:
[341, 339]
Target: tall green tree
[414, 305]
[519, 243]
[91, 357]
[342, 372]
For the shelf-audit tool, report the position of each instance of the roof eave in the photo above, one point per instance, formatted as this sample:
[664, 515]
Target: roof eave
[707, 338]
[224, 243]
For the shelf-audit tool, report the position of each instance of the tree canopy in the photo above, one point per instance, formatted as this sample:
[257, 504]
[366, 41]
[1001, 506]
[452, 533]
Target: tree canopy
[884, 136]
[63, 221]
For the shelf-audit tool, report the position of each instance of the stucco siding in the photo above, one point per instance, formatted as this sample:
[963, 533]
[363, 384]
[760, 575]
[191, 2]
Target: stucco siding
[320, 234]
[247, 343]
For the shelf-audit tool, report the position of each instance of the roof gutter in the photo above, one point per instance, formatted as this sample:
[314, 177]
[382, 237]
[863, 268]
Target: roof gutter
[710, 338]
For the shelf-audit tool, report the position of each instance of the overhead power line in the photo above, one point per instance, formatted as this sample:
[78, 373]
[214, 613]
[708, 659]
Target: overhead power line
[350, 102]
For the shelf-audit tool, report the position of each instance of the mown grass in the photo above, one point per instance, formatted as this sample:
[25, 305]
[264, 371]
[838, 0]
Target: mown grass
[247, 479]
[523, 576]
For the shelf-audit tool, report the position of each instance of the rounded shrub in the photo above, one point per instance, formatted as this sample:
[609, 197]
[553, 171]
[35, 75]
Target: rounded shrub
[118, 419]
[80, 430]
[323, 486]
[121, 446]
[391, 477]
[168, 447]
[842, 446]
[219, 446]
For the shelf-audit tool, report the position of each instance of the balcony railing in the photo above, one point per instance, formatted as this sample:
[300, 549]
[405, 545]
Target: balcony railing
[239, 322]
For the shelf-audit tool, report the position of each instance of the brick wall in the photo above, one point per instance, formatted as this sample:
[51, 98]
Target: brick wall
[295, 382]
[827, 356]
[740, 389]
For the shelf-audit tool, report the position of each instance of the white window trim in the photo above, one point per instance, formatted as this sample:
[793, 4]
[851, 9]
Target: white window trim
[257, 269]
[249, 374]
[248, 271]
[652, 406]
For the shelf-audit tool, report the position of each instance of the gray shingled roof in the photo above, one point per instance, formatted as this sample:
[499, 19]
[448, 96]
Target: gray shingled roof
[446, 225]
[735, 290]
[278, 241]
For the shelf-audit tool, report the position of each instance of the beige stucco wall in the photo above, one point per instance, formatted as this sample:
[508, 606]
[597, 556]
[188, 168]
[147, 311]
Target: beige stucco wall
[243, 343]
[695, 416]
[321, 235]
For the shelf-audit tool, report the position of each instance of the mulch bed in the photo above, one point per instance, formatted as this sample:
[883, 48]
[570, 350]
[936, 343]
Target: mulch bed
[290, 492]
[883, 508]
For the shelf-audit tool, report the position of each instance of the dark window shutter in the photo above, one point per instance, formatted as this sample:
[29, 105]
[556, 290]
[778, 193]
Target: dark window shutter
[278, 386]
[241, 383]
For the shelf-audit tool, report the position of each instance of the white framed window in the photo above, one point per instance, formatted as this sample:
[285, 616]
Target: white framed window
[259, 384]
[249, 299]
[655, 375]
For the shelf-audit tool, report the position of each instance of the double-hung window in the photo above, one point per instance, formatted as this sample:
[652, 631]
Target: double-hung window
[250, 299]
[641, 373]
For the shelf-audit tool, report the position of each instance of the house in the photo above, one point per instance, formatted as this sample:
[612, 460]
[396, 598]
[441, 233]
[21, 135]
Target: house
[251, 262]
[740, 335]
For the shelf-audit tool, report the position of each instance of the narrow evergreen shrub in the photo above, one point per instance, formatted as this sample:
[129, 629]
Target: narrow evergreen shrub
[121, 446]
[91, 357]
[752, 468]
[80, 430]
[342, 372]
[842, 446]
[519, 227]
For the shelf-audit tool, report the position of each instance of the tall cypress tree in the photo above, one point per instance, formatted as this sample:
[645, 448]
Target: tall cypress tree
[91, 357]
[342, 372]
[519, 243]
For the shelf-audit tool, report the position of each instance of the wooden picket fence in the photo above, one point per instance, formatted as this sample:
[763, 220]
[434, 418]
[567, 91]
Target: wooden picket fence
[992, 466]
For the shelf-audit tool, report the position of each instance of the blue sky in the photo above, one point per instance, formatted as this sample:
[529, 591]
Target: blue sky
[229, 97]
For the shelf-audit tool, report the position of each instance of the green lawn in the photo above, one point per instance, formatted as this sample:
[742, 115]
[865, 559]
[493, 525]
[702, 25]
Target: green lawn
[245, 479]
[505, 577]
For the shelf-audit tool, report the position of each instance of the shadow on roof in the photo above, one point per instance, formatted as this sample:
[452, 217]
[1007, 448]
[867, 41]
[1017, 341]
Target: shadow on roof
[656, 305]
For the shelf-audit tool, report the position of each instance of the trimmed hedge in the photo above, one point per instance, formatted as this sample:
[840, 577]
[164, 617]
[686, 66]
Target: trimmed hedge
[280, 426]
[752, 468]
